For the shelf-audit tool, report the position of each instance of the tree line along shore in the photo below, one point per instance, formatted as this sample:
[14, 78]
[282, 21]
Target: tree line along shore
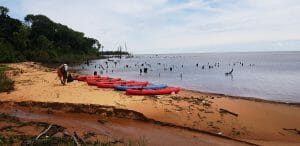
[39, 39]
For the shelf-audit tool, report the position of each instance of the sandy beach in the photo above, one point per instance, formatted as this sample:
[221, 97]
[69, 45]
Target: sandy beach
[190, 116]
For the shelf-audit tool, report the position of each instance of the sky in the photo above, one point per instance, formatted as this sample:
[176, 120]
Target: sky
[176, 26]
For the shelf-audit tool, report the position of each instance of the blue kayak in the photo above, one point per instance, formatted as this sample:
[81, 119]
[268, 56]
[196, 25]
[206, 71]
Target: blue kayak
[124, 88]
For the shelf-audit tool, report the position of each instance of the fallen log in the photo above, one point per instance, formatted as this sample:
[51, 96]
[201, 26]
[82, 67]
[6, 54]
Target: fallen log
[221, 110]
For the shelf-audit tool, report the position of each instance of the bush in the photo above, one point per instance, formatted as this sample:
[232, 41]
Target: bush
[6, 84]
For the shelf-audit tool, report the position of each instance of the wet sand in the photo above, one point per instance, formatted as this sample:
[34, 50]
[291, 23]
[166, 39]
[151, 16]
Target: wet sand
[257, 121]
[120, 127]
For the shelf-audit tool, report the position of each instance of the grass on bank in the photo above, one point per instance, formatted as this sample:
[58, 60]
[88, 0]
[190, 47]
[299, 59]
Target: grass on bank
[6, 84]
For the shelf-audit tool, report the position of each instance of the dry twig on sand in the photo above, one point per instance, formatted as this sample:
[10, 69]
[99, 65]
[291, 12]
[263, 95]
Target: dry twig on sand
[221, 110]
[74, 138]
[292, 129]
[44, 132]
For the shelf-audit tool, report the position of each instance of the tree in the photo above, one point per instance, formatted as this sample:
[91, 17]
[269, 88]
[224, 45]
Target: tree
[3, 11]
[21, 40]
[41, 39]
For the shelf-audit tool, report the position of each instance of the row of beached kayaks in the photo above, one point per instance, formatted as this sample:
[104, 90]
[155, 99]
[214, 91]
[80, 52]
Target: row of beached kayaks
[131, 87]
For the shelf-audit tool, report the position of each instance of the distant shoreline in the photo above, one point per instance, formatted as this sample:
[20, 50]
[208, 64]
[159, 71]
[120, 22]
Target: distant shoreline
[237, 52]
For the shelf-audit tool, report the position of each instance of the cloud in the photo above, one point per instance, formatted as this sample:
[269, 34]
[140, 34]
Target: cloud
[159, 25]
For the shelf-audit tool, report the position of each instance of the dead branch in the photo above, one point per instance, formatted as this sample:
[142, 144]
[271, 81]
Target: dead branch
[74, 138]
[221, 110]
[292, 129]
[77, 137]
[44, 132]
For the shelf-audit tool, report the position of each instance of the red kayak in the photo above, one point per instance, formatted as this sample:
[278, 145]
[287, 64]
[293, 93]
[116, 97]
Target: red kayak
[95, 81]
[86, 77]
[97, 77]
[91, 82]
[111, 79]
[81, 78]
[100, 79]
[115, 82]
[124, 83]
[167, 90]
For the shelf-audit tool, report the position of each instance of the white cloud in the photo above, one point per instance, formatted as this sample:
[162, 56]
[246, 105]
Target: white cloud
[158, 25]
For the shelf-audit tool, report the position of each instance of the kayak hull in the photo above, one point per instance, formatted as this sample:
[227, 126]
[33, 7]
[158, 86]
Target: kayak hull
[167, 90]
[95, 81]
[124, 88]
[124, 83]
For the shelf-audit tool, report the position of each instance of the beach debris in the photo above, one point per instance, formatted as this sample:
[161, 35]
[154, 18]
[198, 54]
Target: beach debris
[167, 110]
[199, 115]
[102, 120]
[292, 129]
[201, 110]
[281, 133]
[208, 112]
[210, 123]
[221, 110]
[179, 108]
[74, 138]
[44, 132]
[49, 111]
[89, 134]
[77, 137]
[235, 132]
[206, 103]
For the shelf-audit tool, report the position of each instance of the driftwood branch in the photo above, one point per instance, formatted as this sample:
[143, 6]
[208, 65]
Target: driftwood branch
[221, 110]
[292, 129]
[74, 138]
[44, 132]
[77, 137]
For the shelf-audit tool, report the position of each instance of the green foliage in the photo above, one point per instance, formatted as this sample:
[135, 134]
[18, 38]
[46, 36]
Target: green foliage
[3, 11]
[5, 83]
[41, 39]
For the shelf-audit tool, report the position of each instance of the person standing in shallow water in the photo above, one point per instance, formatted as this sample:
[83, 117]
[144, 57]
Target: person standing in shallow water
[62, 73]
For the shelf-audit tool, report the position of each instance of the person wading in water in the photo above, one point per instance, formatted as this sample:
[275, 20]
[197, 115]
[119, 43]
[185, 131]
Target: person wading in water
[62, 73]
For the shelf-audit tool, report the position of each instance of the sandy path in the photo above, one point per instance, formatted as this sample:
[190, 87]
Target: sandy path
[257, 122]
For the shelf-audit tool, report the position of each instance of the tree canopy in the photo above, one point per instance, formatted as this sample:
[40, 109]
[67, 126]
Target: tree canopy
[40, 39]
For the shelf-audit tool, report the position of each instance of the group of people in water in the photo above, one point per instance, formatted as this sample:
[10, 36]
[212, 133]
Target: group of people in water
[143, 68]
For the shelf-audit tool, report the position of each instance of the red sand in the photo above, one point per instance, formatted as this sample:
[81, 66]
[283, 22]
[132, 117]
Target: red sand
[258, 122]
